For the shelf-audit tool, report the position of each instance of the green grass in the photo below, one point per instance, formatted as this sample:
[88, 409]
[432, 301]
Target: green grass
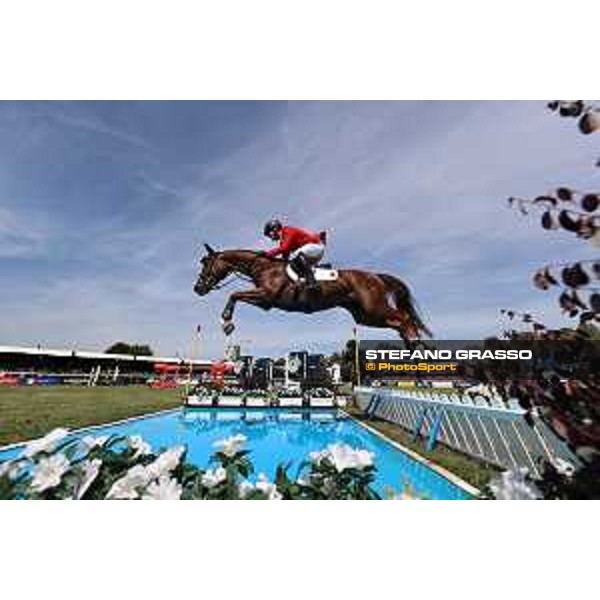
[30, 412]
[471, 470]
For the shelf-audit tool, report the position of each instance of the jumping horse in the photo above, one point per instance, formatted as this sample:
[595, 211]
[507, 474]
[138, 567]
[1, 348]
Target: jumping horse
[373, 299]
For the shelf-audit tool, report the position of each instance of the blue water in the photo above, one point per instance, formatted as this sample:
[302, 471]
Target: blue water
[276, 437]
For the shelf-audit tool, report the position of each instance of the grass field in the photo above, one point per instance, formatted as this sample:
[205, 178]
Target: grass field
[29, 412]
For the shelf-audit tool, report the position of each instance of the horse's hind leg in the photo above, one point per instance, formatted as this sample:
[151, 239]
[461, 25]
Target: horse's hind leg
[381, 315]
[395, 319]
[368, 319]
[400, 329]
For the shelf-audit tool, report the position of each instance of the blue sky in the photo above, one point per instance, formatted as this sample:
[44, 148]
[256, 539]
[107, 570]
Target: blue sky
[104, 207]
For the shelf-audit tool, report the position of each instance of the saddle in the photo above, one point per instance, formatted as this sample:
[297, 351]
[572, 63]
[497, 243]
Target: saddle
[322, 273]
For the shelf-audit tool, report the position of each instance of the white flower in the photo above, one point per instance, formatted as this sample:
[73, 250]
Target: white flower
[139, 476]
[164, 489]
[344, 457]
[91, 468]
[232, 445]
[45, 443]
[9, 468]
[48, 472]
[89, 442]
[266, 487]
[564, 467]
[262, 485]
[513, 485]
[245, 488]
[126, 487]
[137, 443]
[166, 462]
[318, 455]
[213, 477]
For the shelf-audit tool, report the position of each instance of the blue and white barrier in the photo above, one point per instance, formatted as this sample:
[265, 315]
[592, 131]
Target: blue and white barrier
[487, 428]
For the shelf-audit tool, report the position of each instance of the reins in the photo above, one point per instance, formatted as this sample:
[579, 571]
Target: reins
[232, 277]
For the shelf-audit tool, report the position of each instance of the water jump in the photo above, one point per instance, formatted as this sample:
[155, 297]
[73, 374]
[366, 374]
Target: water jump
[289, 278]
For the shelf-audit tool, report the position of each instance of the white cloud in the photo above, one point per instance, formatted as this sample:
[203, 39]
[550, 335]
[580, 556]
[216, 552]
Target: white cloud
[22, 235]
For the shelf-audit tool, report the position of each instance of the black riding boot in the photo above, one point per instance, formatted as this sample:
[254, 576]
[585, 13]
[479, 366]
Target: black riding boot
[301, 265]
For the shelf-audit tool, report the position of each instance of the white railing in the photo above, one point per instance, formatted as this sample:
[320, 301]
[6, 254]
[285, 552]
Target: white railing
[487, 428]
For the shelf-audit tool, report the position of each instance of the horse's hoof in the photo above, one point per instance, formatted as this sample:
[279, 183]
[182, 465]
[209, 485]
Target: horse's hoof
[228, 328]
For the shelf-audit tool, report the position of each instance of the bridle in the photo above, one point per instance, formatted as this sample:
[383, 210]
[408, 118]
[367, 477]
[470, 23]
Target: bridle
[210, 281]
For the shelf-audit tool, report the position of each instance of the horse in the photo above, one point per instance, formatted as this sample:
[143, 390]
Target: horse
[373, 299]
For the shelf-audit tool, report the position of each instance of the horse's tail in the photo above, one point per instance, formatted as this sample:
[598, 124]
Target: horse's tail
[405, 302]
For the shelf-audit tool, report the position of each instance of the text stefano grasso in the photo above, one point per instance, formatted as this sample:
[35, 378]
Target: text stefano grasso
[497, 354]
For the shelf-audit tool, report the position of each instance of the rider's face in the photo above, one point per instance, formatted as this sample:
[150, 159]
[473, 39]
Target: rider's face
[275, 234]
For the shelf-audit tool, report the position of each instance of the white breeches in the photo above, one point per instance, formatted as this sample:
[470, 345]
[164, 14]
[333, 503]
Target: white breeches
[313, 252]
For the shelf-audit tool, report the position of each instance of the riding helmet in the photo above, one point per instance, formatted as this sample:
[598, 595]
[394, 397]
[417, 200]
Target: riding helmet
[272, 226]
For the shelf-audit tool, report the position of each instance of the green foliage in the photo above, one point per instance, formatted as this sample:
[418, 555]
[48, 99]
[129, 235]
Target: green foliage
[59, 467]
[349, 362]
[590, 330]
[133, 349]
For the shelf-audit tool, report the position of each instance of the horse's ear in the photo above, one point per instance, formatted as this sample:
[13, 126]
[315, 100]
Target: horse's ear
[209, 249]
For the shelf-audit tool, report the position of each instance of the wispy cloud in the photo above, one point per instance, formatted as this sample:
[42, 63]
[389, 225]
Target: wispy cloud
[416, 189]
[94, 126]
[22, 235]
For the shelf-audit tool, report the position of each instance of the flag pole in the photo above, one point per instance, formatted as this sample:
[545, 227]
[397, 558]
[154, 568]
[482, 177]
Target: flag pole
[195, 345]
[356, 361]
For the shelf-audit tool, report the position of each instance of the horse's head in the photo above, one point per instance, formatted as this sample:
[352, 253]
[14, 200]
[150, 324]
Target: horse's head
[213, 270]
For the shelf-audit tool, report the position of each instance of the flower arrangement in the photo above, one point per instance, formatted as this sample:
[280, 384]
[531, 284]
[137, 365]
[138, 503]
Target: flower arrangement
[60, 467]
[321, 397]
[258, 398]
[200, 396]
[202, 391]
[290, 397]
[258, 393]
[289, 393]
[514, 485]
[321, 392]
[232, 391]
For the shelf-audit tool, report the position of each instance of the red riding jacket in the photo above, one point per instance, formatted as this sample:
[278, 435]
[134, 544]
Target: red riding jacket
[293, 238]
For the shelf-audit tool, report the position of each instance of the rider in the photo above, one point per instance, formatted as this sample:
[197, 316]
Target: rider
[300, 247]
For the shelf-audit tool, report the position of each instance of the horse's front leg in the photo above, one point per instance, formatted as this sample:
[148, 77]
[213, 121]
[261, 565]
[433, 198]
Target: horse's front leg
[256, 297]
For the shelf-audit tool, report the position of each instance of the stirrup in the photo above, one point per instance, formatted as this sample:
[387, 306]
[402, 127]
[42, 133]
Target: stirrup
[310, 279]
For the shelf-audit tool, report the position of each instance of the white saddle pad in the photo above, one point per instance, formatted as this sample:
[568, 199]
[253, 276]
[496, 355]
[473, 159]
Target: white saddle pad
[321, 274]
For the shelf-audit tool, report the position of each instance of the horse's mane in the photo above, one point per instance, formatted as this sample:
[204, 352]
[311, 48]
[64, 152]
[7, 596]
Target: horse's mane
[248, 251]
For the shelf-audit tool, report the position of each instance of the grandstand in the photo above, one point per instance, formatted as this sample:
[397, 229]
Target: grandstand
[37, 365]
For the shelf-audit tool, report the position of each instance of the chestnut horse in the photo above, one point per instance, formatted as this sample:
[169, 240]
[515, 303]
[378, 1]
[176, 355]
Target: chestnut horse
[373, 299]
